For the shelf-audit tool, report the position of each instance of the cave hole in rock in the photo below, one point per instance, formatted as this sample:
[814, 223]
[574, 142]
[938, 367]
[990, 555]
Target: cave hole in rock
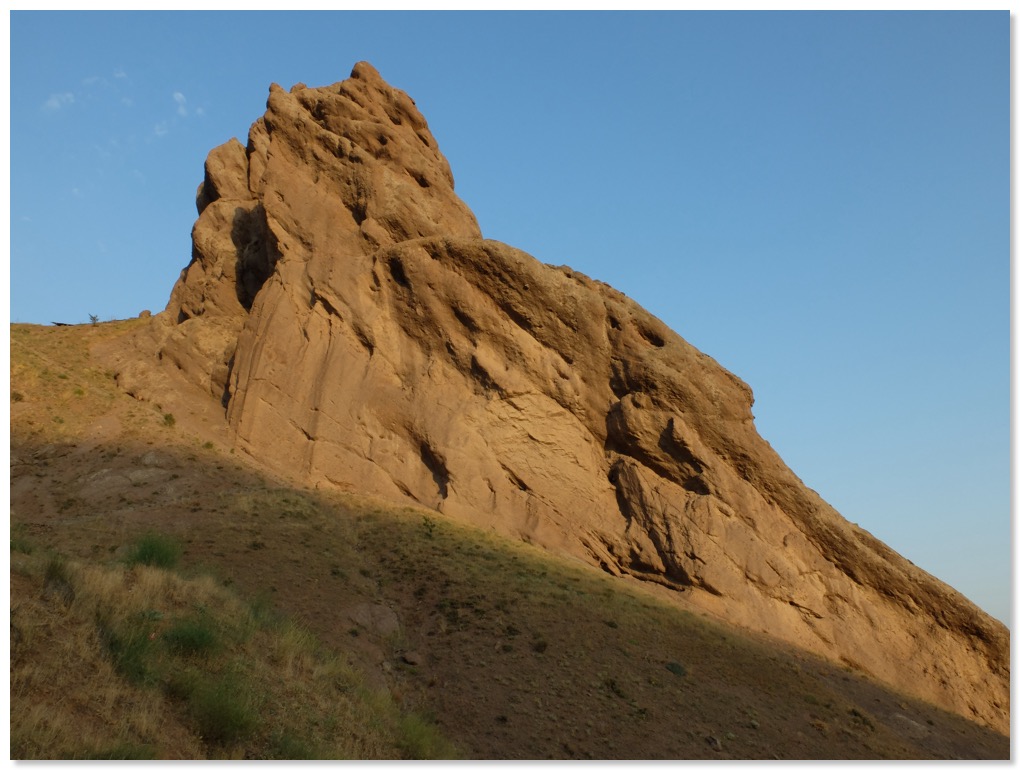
[398, 272]
[256, 258]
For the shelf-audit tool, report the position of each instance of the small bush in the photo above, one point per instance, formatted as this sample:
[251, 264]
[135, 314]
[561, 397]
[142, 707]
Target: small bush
[130, 652]
[429, 525]
[155, 550]
[169, 420]
[287, 745]
[20, 544]
[223, 709]
[676, 669]
[418, 739]
[57, 581]
[192, 636]
[56, 571]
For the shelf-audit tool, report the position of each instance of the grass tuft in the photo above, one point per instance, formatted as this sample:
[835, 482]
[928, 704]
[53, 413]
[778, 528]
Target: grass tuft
[191, 637]
[224, 708]
[155, 550]
[288, 745]
[419, 739]
[57, 580]
[127, 751]
[129, 651]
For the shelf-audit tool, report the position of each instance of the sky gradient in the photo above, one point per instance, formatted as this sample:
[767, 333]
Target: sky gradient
[819, 201]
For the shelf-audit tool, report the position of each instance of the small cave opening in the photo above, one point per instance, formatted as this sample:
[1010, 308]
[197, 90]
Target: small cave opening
[399, 274]
[256, 256]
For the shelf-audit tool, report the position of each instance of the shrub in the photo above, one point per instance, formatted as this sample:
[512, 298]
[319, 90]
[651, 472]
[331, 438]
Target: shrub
[418, 739]
[19, 542]
[129, 651]
[57, 581]
[287, 745]
[155, 550]
[191, 636]
[429, 525]
[223, 708]
[675, 668]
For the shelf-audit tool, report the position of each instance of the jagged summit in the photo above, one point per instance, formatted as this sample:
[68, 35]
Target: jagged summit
[360, 333]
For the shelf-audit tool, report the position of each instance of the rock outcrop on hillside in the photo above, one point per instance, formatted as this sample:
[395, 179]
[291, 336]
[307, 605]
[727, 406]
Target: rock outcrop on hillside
[360, 333]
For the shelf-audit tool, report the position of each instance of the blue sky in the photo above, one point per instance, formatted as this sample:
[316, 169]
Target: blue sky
[820, 201]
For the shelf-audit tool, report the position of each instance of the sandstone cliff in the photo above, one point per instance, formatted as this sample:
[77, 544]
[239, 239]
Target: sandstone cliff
[359, 332]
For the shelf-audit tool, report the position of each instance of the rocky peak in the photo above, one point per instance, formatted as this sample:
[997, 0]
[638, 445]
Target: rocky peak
[360, 334]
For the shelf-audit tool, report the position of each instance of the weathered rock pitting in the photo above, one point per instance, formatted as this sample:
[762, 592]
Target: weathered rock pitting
[359, 331]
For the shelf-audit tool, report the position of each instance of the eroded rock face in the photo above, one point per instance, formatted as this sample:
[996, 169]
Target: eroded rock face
[342, 304]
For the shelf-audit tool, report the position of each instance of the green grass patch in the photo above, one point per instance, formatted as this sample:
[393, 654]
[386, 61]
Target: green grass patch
[19, 541]
[224, 708]
[130, 651]
[191, 637]
[286, 744]
[419, 739]
[155, 550]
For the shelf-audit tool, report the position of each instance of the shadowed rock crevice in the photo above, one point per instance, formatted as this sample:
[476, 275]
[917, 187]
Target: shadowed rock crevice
[437, 467]
[256, 256]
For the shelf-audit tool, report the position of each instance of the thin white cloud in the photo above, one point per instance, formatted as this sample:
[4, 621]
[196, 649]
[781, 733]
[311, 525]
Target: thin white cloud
[182, 104]
[161, 128]
[56, 101]
[119, 74]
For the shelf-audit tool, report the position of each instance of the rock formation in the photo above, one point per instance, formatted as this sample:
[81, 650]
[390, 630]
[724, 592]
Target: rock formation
[360, 333]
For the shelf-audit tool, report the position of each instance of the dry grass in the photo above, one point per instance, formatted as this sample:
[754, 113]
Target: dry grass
[140, 662]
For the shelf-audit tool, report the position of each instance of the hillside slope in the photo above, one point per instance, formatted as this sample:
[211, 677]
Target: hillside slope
[402, 634]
